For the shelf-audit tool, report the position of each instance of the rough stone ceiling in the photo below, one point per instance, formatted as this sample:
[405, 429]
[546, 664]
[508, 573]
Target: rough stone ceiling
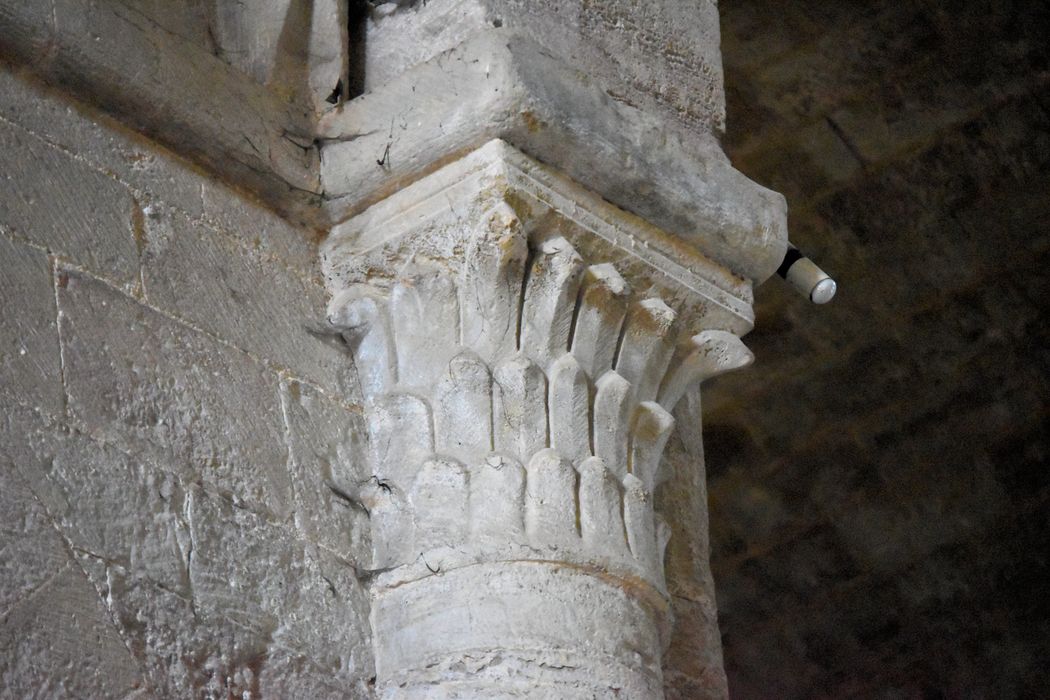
[879, 494]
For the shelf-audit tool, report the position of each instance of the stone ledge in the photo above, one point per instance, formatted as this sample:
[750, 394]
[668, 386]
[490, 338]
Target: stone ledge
[355, 250]
[500, 85]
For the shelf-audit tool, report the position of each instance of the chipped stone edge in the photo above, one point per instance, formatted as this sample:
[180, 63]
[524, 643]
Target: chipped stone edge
[498, 84]
[402, 213]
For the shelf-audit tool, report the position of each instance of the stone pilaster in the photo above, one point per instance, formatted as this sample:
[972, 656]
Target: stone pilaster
[520, 345]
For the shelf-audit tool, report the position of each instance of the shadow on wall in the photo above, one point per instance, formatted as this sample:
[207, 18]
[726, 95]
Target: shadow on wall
[879, 497]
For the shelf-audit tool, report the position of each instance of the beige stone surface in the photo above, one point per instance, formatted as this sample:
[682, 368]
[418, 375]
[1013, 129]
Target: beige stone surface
[546, 250]
[660, 56]
[61, 205]
[501, 84]
[230, 289]
[514, 471]
[151, 455]
[30, 359]
[249, 134]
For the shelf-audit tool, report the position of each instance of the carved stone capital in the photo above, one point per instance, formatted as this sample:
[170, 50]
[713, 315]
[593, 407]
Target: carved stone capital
[520, 345]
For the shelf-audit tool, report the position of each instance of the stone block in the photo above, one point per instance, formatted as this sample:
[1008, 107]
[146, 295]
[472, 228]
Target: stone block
[30, 362]
[501, 85]
[119, 509]
[586, 637]
[71, 209]
[225, 288]
[262, 577]
[149, 169]
[298, 50]
[328, 466]
[184, 653]
[61, 643]
[24, 432]
[173, 93]
[188, 648]
[107, 507]
[151, 385]
[265, 232]
[153, 173]
[662, 56]
[31, 551]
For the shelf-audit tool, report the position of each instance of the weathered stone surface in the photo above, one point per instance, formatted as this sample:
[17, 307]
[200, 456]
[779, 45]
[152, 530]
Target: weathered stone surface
[31, 550]
[124, 519]
[462, 401]
[384, 315]
[361, 250]
[297, 49]
[328, 467]
[262, 578]
[276, 43]
[30, 360]
[189, 646]
[72, 210]
[424, 313]
[99, 141]
[190, 19]
[484, 467]
[153, 174]
[270, 235]
[60, 642]
[519, 407]
[126, 511]
[502, 85]
[163, 417]
[551, 288]
[663, 56]
[250, 134]
[183, 652]
[575, 635]
[568, 404]
[143, 381]
[693, 666]
[218, 285]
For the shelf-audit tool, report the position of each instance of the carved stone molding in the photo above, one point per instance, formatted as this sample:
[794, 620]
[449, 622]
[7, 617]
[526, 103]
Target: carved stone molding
[520, 344]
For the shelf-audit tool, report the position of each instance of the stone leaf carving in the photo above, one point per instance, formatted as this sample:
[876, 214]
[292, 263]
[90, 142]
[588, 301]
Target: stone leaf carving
[514, 407]
[520, 345]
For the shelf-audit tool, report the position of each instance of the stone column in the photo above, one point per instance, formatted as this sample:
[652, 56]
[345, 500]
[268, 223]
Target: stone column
[541, 249]
[537, 248]
[520, 345]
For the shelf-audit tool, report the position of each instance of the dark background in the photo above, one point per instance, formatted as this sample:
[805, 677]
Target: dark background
[880, 501]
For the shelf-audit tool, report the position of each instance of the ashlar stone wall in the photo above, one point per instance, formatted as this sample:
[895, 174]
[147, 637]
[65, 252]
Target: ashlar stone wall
[183, 423]
[172, 442]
